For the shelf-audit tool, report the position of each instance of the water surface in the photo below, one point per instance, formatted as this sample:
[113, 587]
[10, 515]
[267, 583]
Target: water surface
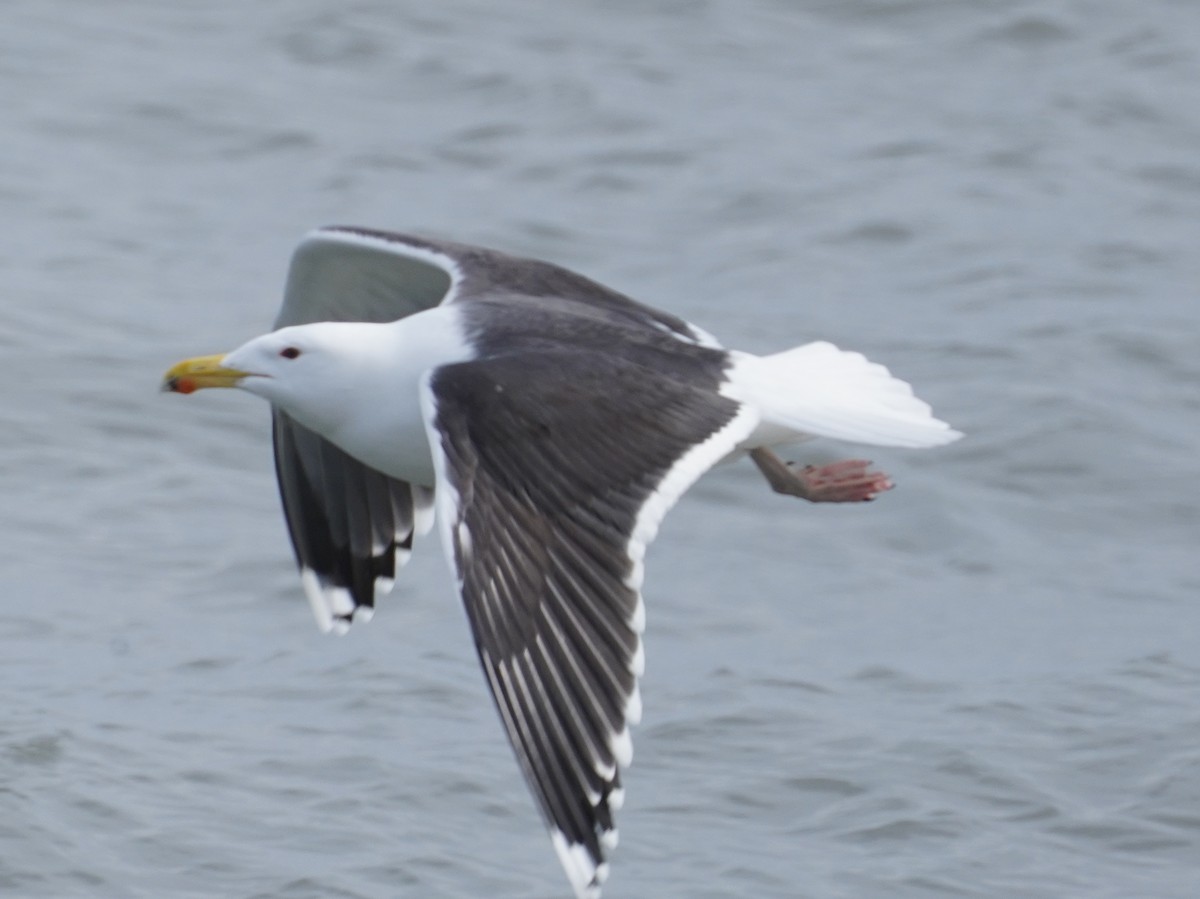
[983, 685]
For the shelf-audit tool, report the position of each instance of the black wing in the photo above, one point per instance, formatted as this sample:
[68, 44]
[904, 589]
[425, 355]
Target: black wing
[351, 526]
[554, 471]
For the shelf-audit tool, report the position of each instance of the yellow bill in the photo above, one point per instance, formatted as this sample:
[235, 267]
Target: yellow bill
[203, 371]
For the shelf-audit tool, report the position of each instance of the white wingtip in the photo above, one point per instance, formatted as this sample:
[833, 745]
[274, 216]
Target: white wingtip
[637, 664]
[633, 707]
[316, 598]
[332, 607]
[637, 622]
[622, 747]
[585, 876]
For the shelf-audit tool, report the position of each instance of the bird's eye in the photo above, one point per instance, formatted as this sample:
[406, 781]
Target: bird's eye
[289, 352]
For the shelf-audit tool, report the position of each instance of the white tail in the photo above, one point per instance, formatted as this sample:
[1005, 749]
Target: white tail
[820, 391]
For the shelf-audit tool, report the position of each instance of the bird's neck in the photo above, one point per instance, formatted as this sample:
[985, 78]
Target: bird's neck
[382, 424]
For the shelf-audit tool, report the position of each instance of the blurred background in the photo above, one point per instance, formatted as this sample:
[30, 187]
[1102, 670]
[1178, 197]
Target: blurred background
[982, 685]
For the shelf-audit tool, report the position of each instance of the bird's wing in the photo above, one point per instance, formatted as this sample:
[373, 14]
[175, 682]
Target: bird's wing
[385, 276]
[554, 469]
[350, 525]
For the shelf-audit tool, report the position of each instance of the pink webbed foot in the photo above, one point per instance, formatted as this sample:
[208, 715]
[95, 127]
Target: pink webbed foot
[848, 481]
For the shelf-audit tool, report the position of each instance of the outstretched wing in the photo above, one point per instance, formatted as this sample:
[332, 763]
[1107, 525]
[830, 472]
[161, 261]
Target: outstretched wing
[554, 469]
[351, 526]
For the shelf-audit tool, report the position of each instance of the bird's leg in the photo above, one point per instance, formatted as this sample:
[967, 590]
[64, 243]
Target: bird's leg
[848, 481]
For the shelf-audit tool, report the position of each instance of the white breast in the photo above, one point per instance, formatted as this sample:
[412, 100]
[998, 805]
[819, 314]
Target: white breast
[385, 428]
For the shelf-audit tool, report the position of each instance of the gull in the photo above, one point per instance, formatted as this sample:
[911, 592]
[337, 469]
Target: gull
[548, 423]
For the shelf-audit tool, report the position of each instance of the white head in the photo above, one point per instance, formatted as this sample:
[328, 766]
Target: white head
[356, 384]
[320, 374]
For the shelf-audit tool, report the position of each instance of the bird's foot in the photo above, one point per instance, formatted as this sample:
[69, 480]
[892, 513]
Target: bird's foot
[848, 481]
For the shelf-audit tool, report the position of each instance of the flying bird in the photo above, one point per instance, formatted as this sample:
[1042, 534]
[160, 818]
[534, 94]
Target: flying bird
[550, 423]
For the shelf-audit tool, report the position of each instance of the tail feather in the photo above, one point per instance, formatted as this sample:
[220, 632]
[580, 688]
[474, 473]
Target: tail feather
[821, 391]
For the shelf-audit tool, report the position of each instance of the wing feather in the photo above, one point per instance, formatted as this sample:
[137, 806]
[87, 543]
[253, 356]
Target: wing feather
[551, 465]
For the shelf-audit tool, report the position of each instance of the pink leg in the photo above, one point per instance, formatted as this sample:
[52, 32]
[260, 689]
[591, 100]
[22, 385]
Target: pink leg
[848, 481]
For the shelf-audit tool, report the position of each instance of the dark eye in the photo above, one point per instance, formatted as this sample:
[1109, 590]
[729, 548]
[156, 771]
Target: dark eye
[289, 352]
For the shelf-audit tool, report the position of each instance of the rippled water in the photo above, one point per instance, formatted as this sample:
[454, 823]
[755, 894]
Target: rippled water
[984, 685]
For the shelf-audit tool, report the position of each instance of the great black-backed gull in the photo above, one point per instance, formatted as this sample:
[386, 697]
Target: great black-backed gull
[553, 422]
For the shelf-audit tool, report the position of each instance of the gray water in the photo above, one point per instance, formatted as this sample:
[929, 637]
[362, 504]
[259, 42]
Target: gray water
[986, 684]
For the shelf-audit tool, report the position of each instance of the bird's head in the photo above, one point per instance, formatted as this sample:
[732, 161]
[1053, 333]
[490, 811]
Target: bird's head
[309, 371]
